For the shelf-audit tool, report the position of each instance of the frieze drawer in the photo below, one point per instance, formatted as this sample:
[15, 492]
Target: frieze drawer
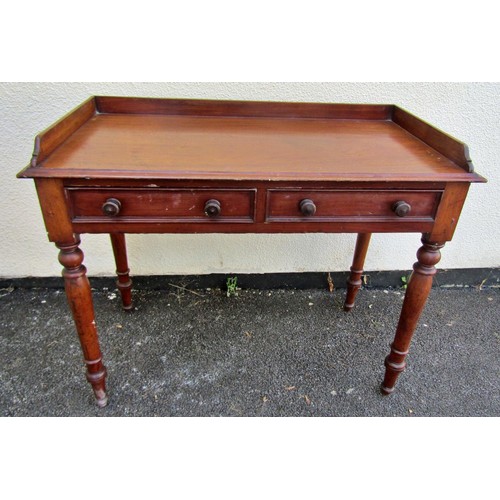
[162, 204]
[350, 205]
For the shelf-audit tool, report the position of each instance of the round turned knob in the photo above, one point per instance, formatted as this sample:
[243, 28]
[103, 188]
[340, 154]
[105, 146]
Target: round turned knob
[212, 208]
[112, 207]
[401, 208]
[307, 207]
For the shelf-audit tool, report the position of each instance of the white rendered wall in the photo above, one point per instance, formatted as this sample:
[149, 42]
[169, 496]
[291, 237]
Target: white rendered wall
[468, 111]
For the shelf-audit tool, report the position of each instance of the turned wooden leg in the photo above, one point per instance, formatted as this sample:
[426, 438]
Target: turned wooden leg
[417, 291]
[354, 280]
[80, 302]
[124, 282]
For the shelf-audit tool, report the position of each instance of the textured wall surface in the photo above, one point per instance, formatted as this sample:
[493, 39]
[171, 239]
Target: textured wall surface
[468, 111]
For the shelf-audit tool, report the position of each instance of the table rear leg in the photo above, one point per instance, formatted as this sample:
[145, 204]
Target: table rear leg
[79, 296]
[124, 283]
[354, 281]
[417, 291]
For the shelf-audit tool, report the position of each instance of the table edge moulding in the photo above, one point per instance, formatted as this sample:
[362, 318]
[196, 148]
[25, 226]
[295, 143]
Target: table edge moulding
[120, 165]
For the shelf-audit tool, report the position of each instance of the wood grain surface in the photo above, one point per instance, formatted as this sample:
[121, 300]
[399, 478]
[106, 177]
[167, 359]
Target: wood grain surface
[247, 148]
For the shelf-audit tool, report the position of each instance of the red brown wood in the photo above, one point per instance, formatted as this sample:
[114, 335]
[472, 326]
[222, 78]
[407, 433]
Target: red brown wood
[161, 204]
[354, 282]
[198, 147]
[54, 136]
[366, 205]
[456, 151]
[54, 207]
[124, 282]
[418, 289]
[80, 302]
[449, 211]
[162, 138]
[203, 107]
[137, 165]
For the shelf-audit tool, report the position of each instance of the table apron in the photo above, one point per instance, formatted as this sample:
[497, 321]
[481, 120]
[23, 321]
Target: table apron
[340, 226]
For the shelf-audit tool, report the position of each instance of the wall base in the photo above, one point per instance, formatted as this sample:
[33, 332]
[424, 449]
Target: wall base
[451, 278]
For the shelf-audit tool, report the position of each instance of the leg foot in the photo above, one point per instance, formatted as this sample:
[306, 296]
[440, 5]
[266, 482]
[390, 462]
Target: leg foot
[416, 295]
[394, 364]
[97, 380]
[385, 390]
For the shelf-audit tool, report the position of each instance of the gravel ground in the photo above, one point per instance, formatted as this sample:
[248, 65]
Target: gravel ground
[261, 353]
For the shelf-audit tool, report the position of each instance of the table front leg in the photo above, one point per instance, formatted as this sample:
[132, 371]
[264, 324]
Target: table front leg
[354, 281]
[79, 296]
[417, 291]
[124, 282]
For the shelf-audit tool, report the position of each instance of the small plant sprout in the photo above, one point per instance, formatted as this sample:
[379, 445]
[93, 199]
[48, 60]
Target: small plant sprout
[231, 284]
[405, 280]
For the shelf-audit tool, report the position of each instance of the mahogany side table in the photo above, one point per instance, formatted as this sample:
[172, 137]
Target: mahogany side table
[137, 165]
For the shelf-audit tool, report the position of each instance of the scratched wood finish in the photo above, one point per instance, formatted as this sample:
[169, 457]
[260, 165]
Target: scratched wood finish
[163, 204]
[54, 206]
[449, 211]
[79, 296]
[146, 211]
[283, 205]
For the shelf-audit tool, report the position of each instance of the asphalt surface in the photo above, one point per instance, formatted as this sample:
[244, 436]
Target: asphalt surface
[262, 353]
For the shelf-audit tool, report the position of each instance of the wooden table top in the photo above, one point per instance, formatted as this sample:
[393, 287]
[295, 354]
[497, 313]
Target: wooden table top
[168, 139]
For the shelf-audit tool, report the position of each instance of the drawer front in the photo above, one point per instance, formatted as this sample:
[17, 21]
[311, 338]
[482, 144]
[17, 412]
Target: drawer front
[162, 205]
[351, 205]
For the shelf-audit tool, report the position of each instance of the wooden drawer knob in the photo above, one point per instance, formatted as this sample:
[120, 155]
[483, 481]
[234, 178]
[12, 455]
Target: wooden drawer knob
[212, 208]
[401, 208]
[112, 207]
[307, 207]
